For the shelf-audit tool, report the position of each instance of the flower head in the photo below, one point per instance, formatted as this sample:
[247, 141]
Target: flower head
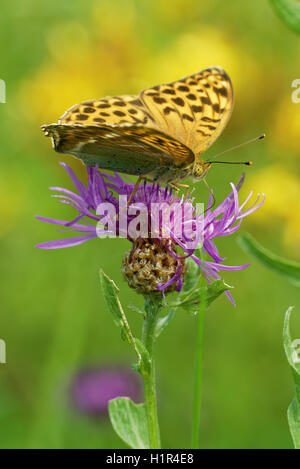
[167, 228]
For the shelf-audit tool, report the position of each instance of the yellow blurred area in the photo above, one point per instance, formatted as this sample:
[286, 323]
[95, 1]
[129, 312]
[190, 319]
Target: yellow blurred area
[286, 127]
[178, 10]
[282, 205]
[78, 70]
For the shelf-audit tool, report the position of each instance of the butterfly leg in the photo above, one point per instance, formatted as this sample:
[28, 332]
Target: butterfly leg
[177, 188]
[134, 190]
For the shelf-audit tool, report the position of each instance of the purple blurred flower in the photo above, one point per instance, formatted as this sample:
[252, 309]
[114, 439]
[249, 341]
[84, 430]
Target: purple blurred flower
[101, 188]
[92, 388]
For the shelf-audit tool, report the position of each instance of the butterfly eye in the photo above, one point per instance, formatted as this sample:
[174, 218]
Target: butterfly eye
[200, 169]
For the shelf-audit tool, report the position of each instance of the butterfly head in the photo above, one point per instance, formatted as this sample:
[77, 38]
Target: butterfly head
[200, 169]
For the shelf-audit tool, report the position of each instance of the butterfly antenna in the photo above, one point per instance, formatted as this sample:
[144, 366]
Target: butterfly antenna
[248, 163]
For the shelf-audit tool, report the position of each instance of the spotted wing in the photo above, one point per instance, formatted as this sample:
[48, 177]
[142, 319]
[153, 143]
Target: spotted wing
[193, 110]
[131, 149]
[128, 117]
[112, 110]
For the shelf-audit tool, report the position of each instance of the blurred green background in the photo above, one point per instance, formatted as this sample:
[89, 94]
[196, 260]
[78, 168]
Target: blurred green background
[53, 317]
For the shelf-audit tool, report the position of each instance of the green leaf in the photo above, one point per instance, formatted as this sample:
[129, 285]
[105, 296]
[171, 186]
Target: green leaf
[293, 414]
[294, 422]
[110, 292]
[163, 322]
[129, 421]
[215, 289]
[192, 275]
[292, 351]
[190, 301]
[288, 269]
[289, 12]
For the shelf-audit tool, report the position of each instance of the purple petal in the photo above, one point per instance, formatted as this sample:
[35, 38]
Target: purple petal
[229, 296]
[247, 200]
[176, 277]
[211, 249]
[80, 227]
[217, 266]
[69, 193]
[65, 243]
[52, 220]
[78, 184]
[253, 208]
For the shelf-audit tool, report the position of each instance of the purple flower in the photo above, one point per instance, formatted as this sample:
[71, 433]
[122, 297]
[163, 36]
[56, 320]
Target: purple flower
[92, 388]
[183, 232]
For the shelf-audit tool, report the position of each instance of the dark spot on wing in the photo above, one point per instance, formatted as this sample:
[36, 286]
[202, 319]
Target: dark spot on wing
[183, 88]
[205, 100]
[195, 108]
[82, 117]
[208, 126]
[209, 119]
[178, 101]
[119, 103]
[203, 133]
[187, 117]
[159, 100]
[132, 111]
[169, 91]
[98, 119]
[89, 109]
[221, 91]
[119, 113]
[168, 109]
[191, 96]
[104, 105]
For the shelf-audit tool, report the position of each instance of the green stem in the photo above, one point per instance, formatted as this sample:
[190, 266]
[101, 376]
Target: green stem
[198, 375]
[152, 308]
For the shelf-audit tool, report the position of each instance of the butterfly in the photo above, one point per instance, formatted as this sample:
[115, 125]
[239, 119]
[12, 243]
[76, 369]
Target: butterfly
[157, 135]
